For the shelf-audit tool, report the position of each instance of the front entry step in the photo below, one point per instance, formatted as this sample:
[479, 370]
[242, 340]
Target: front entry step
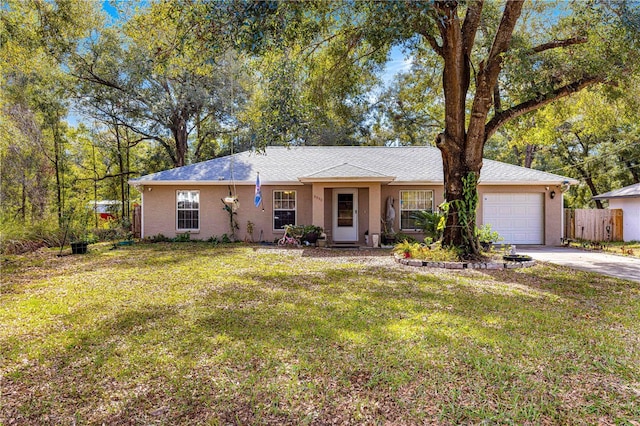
[345, 246]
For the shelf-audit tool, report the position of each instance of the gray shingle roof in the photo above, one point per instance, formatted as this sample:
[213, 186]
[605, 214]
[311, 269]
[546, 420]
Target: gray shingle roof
[346, 171]
[626, 192]
[288, 165]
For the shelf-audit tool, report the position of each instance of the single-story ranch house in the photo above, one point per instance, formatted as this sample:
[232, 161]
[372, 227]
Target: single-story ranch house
[628, 200]
[348, 191]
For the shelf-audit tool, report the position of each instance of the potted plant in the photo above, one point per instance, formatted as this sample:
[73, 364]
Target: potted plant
[322, 240]
[79, 241]
[78, 232]
[311, 233]
[487, 236]
[388, 238]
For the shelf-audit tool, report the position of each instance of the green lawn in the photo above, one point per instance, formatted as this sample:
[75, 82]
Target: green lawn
[187, 333]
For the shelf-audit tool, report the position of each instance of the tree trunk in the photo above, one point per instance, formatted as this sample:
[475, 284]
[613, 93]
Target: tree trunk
[57, 162]
[23, 201]
[592, 187]
[180, 136]
[462, 148]
[127, 211]
[460, 192]
[528, 156]
[122, 177]
[95, 185]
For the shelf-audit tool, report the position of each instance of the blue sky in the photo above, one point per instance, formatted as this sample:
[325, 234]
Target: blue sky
[397, 63]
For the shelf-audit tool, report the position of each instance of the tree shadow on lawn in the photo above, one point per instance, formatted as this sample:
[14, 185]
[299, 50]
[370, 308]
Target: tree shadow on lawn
[346, 252]
[123, 260]
[567, 282]
[293, 329]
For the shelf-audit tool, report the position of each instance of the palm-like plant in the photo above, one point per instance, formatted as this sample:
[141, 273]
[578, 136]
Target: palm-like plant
[431, 223]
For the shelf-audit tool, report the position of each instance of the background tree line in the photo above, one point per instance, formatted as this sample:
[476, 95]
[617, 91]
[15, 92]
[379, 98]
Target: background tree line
[90, 100]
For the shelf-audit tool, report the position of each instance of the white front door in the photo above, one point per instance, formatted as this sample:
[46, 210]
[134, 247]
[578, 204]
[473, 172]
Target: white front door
[345, 214]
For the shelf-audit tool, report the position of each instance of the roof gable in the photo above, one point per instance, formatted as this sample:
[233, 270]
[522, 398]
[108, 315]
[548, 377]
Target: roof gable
[345, 171]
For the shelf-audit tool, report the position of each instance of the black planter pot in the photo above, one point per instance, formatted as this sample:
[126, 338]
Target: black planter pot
[311, 237]
[79, 247]
[517, 258]
[388, 239]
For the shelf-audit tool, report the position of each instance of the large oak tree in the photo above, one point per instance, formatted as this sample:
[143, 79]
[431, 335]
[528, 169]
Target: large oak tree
[498, 63]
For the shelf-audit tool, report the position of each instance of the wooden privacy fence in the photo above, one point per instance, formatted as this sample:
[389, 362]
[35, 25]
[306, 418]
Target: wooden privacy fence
[593, 224]
[136, 223]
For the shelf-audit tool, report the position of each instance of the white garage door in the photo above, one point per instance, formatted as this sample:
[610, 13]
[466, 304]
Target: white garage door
[518, 218]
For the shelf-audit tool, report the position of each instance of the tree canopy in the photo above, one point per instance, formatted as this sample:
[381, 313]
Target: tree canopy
[171, 82]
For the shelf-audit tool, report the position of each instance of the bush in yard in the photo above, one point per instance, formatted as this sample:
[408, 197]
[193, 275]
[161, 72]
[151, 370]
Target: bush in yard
[486, 235]
[430, 223]
[17, 239]
[158, 238]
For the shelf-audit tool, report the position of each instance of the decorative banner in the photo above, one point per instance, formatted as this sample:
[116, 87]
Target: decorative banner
[258, 197]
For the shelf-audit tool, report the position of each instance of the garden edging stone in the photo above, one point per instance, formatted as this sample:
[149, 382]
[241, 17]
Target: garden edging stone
[465, 265]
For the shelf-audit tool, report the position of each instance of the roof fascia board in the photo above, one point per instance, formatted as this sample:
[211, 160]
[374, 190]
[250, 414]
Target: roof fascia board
[613, 197]
[415, 182]
[523, 183]
[347, 179]
[211, 183]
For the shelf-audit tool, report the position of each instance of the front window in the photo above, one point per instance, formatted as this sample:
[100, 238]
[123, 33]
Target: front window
[188, 205]
[412, 202]
[284, 209]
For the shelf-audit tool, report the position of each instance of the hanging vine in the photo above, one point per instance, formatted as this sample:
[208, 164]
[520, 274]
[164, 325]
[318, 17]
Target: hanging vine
[230, 208]
[466, 209]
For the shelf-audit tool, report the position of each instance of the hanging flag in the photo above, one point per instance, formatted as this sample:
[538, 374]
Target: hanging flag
[258, 197]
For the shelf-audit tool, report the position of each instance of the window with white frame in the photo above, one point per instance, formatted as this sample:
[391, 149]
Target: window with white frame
[188, 210]
[284, 209]
[412, 202]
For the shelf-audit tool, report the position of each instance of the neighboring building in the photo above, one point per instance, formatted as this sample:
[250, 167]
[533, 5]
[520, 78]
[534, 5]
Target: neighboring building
[107, 209]
[345, 190]
[628, 200]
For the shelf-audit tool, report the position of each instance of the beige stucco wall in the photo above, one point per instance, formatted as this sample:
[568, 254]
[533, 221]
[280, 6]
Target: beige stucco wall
[159, 211]
[159, 208]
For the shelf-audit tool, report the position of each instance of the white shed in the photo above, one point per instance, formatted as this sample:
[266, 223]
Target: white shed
[627, 199]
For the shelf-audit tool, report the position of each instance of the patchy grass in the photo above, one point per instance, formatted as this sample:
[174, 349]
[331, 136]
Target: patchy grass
[191, 334]
[630, 248]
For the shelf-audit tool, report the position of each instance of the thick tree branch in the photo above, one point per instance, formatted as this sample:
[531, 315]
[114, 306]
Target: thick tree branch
[559, 43]
[108, 176]
[470, 25]
[497, 99]
[432, 42]
[531, 105]
[486, 79]
[503, 36]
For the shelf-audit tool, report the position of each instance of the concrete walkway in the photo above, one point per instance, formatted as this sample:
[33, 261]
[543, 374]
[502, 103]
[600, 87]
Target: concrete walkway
[625, 267]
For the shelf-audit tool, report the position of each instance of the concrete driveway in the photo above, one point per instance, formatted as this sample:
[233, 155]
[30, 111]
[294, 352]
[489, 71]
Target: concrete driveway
[608, 264]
